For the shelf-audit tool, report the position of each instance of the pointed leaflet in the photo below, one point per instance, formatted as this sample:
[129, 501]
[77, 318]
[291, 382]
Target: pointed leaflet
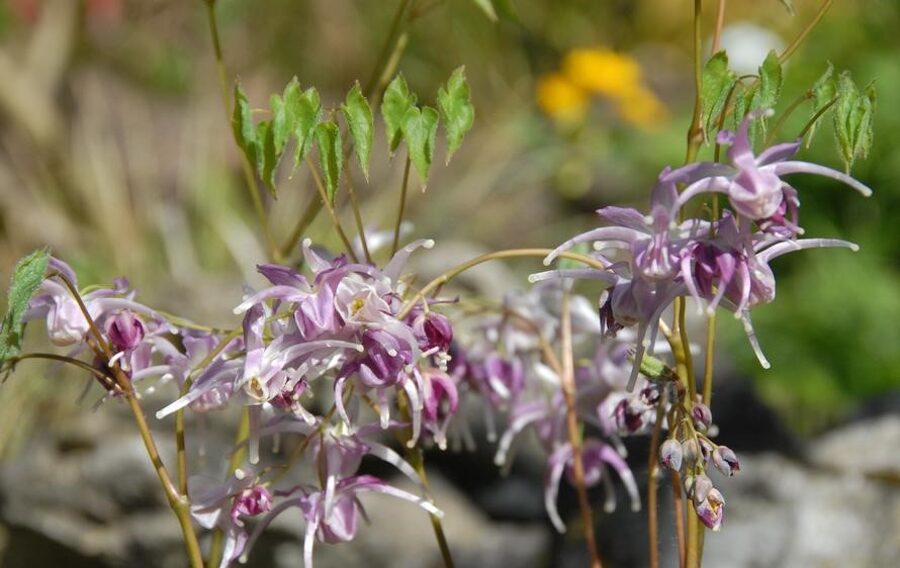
[281, 126]
[457, 111]
[328, 138]
[420, 132]
[242, 125]
[767, 90]
[823, 92]
[359, 119]
[397, 101]
[26, 278]
[268, 155]
[717, 81]
[303, 112]
[853, 119]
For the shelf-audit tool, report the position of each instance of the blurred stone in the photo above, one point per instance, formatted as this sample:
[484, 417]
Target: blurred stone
[784, 514]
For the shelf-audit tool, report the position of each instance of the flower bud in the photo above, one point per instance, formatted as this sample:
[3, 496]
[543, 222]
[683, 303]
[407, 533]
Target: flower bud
[706, 450]
[125, 331]
[701, 488]
[725, 460]
[688, 483]
[702, 416]
[670, 454]
[690, 450]
[433, 330]
[711, 510]
[251, 502]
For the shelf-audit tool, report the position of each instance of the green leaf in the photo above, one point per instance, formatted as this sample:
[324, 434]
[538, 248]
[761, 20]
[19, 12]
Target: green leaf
[420, 132]
[268, 155]
[457, 111]
[771, 77]
[242, 125]
[304, 113]
[487, 6]
[717, 80]
[281, 127]
[25, 281]
[359, 119]
[853, 119]
[656, 370]
[396, 103]
[767, 92]
[328, 137]
[823, 92]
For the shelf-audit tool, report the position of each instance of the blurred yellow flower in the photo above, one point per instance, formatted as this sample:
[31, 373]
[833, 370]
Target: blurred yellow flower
[603, 72]
[560, 98]
[642, 108]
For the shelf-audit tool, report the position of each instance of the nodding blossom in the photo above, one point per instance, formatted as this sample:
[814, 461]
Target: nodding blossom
[653, 259]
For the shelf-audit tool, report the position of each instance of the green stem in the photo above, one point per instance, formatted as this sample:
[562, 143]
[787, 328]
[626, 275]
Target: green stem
[249, 175]
[389, 46]
[357, 215]
[323, 195]
[309, 215]
[816, 117]
[795, 104]
[416, 459]
[789, 50]
[510, 253]
[402, 207]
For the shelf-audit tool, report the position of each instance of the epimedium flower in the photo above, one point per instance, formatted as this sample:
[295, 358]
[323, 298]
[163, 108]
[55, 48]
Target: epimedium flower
[332, 514]
[597, 458]
[753, 183]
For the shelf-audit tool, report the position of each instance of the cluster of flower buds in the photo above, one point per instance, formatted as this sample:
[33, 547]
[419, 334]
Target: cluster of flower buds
[689, 451]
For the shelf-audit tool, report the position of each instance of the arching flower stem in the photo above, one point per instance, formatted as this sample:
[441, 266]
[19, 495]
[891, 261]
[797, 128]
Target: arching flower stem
[498, 255]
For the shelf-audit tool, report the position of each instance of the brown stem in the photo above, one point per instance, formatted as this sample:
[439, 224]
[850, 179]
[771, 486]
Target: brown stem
[217, 545]
[678, 501]
[652, 485]
[568, 388]
[789, 50]
[720, 22]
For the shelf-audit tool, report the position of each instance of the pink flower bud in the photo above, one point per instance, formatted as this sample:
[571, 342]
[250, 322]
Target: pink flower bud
[251, 502]
[725, 460]
[670, 454]
[690, 450]
[702, 416]
[125, 331]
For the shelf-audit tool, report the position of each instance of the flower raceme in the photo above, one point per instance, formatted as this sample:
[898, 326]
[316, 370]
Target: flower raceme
[653, 259]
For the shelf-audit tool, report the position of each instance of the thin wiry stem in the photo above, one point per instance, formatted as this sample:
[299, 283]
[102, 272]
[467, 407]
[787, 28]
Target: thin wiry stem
[720, 22]
[789, 50]
[178, 502]
[678, 501]
[653, 485]
[323, 195]
[402, 206]
[357, 215]
[249, 175]
[568, 389]
[510, 253]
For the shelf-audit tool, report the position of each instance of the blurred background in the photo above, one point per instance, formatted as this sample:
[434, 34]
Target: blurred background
[115, 151]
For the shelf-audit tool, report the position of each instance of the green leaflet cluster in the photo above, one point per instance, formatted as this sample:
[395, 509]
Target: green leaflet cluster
[298, 117]
[727, 98]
